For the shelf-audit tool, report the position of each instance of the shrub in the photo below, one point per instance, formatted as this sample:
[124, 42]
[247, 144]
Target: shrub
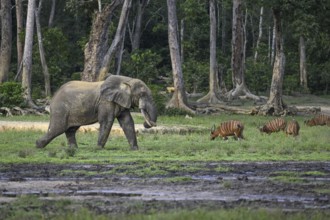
[11, 94]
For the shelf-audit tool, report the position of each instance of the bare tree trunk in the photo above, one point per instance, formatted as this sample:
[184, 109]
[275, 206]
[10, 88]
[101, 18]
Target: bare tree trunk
[260, 34]
[214, 93]
[6, 35]
[116, 41]
[136, 32]
[269, 42]
[272, 55]
[179, 99]
[42, 51]
[223, 29]
[52, 14]
[303, 69]
[97, 45]
[181, 40]
[275, 105]
[119, 54]
[27, 56]
[237, 61]
[20, 30]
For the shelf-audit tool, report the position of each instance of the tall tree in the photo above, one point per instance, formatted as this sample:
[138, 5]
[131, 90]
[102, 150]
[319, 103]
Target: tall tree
[52, 14]
[238, 57]
[27, 56]
[135, 31]
[96, 48]
[116, 43]
[179, 98]
[20, 30]
[6, 36]
[213, 95]
[302, 63]
[260, 33]
[275, 104]
[42, 51]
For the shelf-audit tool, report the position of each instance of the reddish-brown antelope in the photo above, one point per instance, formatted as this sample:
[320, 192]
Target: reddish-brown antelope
[292, 128]
[320, 119]
[228, 128]
[274, 125]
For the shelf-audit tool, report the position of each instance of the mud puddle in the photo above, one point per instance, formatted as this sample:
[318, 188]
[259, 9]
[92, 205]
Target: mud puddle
[283, 185]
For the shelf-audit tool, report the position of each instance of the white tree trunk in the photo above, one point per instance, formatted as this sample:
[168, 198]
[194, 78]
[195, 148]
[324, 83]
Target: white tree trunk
[214, 93]
[42, 51]
[275, 101]
[303, 68]
[52, 14]
[179, 99]
[260, 34]
[27, 56]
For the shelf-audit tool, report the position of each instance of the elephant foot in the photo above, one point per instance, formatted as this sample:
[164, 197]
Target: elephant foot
[134, 148]
[39, 144]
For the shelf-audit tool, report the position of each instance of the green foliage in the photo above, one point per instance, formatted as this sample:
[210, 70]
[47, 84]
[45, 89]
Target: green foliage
[142, 64]
[196, 75]
[258, 75]
[159, 98]
[57, 54]
[11, 94]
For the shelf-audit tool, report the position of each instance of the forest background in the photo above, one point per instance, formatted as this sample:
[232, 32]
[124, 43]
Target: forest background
[139, 43]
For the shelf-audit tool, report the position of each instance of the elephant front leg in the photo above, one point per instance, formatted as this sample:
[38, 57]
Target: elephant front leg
[105, 128]
[126, 122]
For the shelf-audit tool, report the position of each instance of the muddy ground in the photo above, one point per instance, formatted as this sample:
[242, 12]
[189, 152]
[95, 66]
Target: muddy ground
[289, 186]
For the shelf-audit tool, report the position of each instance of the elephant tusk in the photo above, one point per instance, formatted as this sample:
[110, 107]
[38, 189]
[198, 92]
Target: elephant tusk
[147, 118]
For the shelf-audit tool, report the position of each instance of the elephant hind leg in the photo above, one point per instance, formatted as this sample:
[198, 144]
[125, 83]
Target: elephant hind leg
[54, 130]
[71, 136]
[47, 138]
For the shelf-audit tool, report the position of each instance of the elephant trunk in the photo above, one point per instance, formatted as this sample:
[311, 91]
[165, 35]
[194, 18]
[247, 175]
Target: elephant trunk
[149, 113]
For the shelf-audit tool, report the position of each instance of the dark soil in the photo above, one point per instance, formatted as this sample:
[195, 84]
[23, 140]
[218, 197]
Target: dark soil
[289, 186]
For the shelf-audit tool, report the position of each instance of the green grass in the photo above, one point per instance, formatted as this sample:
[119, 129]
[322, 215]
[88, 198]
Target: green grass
[31, 207]
[311, 145]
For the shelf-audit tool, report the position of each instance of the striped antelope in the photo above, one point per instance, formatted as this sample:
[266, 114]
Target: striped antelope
[274, 125]
[228, 128]
[320, 119]
[292, 128]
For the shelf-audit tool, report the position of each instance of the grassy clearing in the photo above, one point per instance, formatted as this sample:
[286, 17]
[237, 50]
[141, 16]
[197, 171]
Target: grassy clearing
[31, 207]
[311, 145]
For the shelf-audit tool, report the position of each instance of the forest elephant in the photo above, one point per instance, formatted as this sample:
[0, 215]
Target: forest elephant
[79, 103]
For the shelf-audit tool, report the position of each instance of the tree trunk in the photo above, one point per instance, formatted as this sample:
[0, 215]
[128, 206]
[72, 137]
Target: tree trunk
[214, 94]
[179, 99]
[272, 54]
[260, 34]
[20, 30]
[181, 40]
[6, 35]
[97, 45]
[275, 105]
[42, 51]
[303, 69]
[135, 33]
[223, 29]
[52, 14]
[27, 56]
[119, 54]
[116, 41]
[237, 58]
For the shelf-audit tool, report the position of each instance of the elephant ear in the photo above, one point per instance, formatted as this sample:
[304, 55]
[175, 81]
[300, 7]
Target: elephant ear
[115, 90]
